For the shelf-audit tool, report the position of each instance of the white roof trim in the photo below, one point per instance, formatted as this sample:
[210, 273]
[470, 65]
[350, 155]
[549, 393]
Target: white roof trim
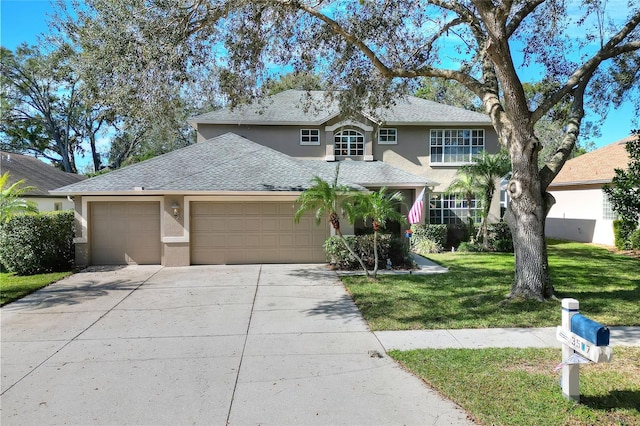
[351, 123]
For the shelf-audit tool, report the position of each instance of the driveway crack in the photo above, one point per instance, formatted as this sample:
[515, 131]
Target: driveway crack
[244, 346]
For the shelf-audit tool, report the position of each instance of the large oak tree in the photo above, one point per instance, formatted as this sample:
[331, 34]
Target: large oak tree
[138, 50]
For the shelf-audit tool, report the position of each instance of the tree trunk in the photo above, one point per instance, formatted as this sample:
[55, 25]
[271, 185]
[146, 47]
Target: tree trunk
[353, 253]
[526, 219]
[375, 254]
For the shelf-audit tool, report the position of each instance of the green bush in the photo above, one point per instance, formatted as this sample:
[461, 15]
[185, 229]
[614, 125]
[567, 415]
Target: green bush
[457, 233]
[622, 230]
[466, 247]
[634, 240]
[37, 243]
[435, 233]
[499, 236]
[425, 246]
[389, 247]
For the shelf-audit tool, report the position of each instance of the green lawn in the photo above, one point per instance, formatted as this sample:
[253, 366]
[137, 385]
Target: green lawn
[472, 294]
[14, 287]
[519, 386]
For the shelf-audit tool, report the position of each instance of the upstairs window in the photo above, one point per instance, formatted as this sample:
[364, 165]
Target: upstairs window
[451, 146]
[387, 136]
[309, 137]
[348, 142]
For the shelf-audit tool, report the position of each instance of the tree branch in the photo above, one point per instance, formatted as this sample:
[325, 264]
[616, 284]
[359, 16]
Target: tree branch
[608, 51]
[521, 14]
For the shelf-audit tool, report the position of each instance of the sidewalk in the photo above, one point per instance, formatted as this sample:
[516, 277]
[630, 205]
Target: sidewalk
[491, 338]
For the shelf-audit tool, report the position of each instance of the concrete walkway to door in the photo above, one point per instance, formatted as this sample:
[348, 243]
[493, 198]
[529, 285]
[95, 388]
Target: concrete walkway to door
[216, 345]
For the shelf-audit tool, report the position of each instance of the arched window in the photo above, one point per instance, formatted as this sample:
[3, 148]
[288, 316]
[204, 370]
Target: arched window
[349, 142]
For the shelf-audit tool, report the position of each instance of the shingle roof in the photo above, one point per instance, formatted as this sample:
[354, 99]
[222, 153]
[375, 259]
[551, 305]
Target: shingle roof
[288, 107]
[227, 163]
[368, 173]
[314, 108]
[39, 174]
[594, 167]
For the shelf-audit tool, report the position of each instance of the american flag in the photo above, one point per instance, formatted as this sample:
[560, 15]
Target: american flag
[416, 210]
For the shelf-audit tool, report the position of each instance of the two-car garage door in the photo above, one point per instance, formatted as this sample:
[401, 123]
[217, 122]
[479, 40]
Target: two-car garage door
[220, 233]
[254, 232]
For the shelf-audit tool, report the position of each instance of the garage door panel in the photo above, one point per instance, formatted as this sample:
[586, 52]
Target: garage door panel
[264, 232]
[125, 233]
[270, 224]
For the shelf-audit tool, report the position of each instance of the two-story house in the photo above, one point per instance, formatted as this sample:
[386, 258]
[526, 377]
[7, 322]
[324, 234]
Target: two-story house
[230, 198]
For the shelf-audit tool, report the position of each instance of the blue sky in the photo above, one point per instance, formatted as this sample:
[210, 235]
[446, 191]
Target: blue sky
[22, 20]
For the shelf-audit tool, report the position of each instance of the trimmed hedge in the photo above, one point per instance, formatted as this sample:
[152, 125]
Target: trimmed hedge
[389, 247]
[37, 243]
[434, 233]
[499, 236]
[622, 232]
[634, 240]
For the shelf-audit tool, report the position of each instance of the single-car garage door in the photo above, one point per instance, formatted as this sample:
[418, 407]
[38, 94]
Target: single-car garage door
[254, 232]
[125, 233]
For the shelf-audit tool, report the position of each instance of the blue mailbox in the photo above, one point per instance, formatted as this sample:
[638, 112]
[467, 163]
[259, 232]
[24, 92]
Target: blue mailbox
[590, 330]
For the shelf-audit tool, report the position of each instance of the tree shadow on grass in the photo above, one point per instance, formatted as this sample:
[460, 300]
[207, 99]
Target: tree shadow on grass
[627, 399]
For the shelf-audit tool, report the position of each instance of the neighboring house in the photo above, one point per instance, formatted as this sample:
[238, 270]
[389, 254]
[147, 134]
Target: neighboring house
[582, 211]
[44, 177]
[230, 197]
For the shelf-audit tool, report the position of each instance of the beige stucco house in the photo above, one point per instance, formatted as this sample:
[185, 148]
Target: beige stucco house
[230, 198]
[582, 211]
[43, 177]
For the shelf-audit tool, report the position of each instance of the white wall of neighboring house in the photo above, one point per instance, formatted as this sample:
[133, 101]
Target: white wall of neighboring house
[49, 204]
[580, 215]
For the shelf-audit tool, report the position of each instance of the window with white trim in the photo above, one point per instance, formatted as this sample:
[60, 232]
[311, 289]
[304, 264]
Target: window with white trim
[309, 137]
[348, 142]
[453, 208]
[455, 145]
[387, 136]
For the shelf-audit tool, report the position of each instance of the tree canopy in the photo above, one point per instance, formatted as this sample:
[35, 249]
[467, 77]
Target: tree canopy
[624, 190]
[138, 52]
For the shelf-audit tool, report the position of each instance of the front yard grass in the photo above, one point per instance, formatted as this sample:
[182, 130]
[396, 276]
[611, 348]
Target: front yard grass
[519, 386]
[472, 294]
[13, 287]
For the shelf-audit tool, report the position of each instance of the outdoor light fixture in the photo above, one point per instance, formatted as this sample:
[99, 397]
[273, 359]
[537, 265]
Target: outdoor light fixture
[176, 209]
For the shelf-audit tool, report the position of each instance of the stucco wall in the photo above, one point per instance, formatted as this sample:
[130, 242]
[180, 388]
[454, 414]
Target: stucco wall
[47, 204]
[411, 153]
[577, 215]
[174, 251]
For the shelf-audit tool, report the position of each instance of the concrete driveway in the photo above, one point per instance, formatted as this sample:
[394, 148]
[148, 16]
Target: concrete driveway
[237, 345]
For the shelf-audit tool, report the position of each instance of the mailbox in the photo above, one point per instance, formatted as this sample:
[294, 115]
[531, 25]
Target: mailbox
[590, 330]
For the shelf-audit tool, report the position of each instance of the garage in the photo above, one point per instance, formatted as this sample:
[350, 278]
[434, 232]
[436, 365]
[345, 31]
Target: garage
[125, 233]
[254, 232]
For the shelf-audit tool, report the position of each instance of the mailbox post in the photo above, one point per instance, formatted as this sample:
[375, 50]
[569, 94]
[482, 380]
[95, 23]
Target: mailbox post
[570, 372]
[583, 336]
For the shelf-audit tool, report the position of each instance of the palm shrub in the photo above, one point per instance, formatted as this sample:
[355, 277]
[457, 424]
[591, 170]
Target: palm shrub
[325, 198]
[467, 186]
[11, 201]
[379, 207]
[486, 170]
